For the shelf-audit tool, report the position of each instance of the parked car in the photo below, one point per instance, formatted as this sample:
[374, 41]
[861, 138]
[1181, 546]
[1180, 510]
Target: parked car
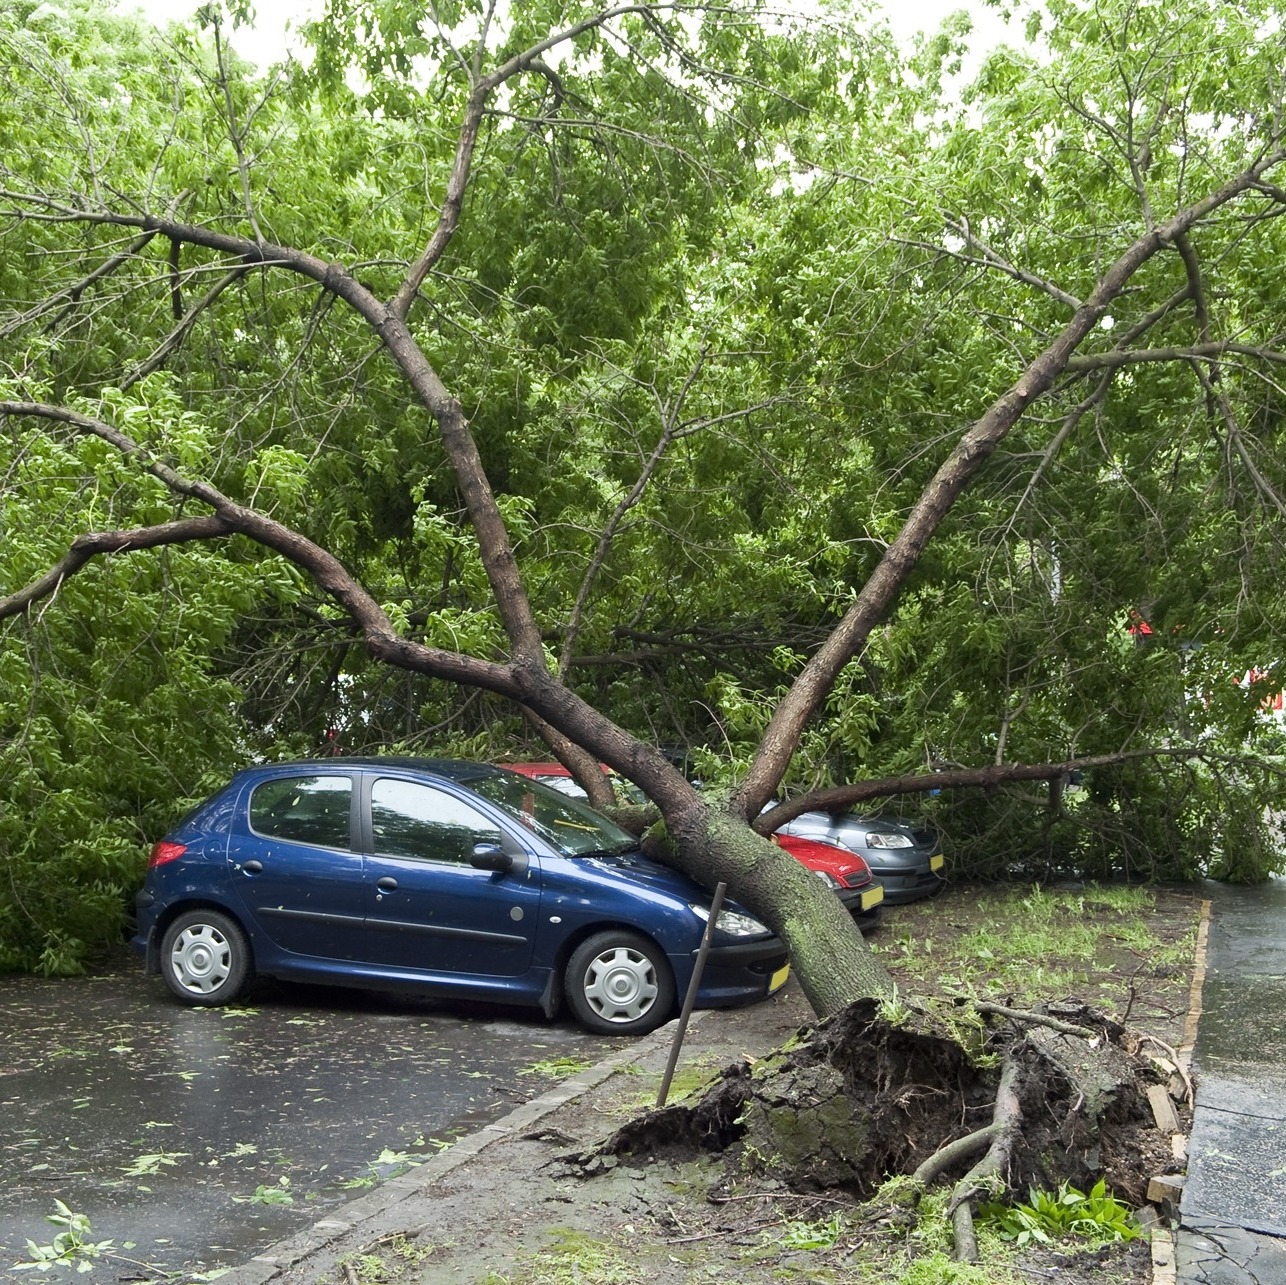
[844, 871]
[447, 878]
[905, 857]
[557, 777]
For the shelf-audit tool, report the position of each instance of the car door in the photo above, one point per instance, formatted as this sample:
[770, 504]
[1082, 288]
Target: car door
[295, 866]
[427, 907]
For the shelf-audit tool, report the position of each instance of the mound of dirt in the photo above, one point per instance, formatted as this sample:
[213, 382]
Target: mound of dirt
[860, 1098]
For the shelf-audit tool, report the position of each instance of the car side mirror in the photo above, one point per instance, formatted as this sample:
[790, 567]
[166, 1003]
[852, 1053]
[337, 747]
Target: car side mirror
[490, 856]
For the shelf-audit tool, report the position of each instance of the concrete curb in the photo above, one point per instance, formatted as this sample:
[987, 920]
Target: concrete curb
[287, 1253]
[1164, 1261]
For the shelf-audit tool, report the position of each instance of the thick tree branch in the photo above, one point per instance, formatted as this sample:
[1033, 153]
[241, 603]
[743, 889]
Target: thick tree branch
[323, 567]
[511, 599]
[839, 798]
[86, 547]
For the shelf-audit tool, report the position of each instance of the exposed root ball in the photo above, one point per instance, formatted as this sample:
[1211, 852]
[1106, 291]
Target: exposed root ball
[858, 1099]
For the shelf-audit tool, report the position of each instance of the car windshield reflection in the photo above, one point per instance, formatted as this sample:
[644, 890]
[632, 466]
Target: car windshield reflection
[572, 827]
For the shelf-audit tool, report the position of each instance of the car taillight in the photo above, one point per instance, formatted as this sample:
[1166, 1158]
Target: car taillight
[165, 851]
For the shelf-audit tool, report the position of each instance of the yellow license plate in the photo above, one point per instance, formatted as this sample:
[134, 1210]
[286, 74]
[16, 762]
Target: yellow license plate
[872, 897]
[937, 862]
[778, 979]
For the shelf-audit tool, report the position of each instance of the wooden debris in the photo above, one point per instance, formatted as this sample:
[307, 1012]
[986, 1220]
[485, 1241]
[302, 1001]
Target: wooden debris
[1166, 1187]
[1163, 1109]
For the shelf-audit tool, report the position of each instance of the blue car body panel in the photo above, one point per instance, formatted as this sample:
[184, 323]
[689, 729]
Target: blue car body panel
[342, 912]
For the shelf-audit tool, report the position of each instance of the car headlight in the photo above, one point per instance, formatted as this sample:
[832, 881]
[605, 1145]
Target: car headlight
[877, 840]
[735, 923]
[828, 879]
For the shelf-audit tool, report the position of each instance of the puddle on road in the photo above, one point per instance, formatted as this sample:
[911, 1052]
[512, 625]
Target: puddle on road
[199, 1136]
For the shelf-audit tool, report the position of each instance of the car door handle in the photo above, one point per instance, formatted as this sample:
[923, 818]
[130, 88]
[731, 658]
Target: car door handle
[253, 867]
[387, 884]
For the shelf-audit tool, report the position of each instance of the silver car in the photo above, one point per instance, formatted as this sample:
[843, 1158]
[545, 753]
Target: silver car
[905, 857]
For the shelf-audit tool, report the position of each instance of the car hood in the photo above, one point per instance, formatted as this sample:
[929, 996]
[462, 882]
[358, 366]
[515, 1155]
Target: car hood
[639, 869]
[858, 827]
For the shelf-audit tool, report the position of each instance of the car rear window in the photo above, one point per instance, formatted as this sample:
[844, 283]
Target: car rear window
[304, 809]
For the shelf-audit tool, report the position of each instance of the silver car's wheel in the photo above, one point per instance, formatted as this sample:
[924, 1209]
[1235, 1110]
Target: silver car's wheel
[205, 958]
[620, 983]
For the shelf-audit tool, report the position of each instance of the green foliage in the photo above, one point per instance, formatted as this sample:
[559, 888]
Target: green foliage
[71, 1247]
[715, 316]
[555, 1068]
[1048, 1216]
[818, 1233]
[265, 1194]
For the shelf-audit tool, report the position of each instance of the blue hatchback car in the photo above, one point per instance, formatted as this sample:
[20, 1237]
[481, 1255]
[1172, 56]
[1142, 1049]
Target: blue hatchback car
[448, 878]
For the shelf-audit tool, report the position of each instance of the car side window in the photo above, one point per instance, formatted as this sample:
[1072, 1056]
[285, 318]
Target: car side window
[304, 809]
[419, 821]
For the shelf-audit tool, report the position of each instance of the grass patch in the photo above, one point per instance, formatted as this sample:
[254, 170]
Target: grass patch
[573, 1258]
[1031, 943]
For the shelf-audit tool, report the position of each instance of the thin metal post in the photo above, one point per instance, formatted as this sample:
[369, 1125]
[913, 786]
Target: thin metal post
[690, 999]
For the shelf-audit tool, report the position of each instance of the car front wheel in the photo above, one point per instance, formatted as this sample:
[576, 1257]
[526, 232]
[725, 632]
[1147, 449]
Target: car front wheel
[205, 958]
[619, 984]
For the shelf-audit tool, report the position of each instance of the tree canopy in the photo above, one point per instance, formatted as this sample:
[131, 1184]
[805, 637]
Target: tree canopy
[683, 375]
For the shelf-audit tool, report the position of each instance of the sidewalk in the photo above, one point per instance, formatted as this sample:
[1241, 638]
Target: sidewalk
[1233, 1212]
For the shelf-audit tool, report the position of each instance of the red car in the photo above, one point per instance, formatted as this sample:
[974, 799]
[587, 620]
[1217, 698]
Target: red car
[843, 870]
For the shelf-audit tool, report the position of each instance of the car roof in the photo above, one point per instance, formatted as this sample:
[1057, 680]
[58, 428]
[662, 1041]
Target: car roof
[460, 770]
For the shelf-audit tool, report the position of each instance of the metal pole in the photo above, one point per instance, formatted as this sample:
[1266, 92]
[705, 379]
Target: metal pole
[690, 999]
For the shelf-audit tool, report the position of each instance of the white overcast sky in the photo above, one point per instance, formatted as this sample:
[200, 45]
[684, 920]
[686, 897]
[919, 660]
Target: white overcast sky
[268, 41]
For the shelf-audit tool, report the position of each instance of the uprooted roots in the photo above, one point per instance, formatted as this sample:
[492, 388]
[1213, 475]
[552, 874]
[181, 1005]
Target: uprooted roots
[1032, 1099]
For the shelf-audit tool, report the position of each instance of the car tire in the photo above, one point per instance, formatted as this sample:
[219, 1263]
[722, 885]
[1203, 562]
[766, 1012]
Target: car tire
[620, 983]
[205, 958]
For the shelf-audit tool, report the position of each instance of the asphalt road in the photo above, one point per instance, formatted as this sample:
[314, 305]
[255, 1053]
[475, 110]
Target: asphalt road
[194, 1137]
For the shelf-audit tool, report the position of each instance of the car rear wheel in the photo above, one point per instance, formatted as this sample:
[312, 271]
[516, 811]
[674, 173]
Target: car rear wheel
[205, 958]
[619, 984]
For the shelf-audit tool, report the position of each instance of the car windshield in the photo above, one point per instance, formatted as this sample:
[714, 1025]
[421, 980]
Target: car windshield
[574, 828]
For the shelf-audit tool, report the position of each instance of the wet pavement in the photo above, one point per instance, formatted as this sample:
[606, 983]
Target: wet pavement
[1233, 1212]
[195, 1137]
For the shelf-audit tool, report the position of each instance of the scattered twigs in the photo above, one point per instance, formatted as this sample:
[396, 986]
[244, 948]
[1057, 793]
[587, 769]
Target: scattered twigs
[1174, 1057]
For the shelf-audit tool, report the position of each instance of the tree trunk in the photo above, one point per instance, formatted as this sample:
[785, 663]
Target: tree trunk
[834, 965]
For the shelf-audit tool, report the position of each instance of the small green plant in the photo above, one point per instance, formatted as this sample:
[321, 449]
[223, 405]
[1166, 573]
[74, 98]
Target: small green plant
[895, 1010]
[146, 1165]
[269, 1195]
[821, 1233]
[1048, 1216]
[70, 1248]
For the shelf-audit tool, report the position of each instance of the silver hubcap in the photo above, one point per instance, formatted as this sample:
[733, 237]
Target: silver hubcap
[621, 984]
[201, 959]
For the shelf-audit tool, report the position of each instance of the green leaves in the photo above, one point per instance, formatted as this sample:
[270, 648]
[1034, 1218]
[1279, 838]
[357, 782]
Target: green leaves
[1047, 1216]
